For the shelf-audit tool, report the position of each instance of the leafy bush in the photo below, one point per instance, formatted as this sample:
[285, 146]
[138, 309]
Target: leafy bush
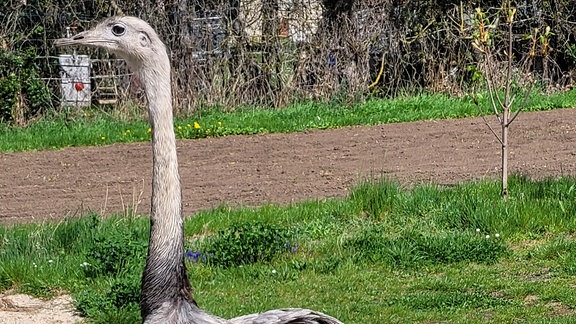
[124, 290]
[113, 253]
[122, 297]
[247, 243]
[22, 93]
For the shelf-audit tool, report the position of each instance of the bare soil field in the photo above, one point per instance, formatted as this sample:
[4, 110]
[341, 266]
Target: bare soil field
[281, 168]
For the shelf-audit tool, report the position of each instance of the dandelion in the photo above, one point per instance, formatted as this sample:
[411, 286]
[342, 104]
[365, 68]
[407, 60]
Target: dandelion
[127, 131]
[179, 127]
[196, 125]
[103, 138]
[149, 130]
[219, 123]
[188, 126]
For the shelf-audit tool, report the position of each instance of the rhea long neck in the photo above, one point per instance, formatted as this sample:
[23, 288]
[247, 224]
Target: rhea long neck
[164, 277]
[166, 212]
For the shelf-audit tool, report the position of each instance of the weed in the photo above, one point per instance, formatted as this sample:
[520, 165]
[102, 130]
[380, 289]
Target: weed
[376, 201]
[113, 254]
[120, 299]
[246, 243]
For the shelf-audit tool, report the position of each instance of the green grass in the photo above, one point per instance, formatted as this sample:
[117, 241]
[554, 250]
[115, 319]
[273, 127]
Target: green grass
[100, 129]
[384, 254]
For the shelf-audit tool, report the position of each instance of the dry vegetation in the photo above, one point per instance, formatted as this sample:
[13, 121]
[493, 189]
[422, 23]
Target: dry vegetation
[273, 52]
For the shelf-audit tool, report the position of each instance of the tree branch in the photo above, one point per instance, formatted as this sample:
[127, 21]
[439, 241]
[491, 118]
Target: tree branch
[523, 103]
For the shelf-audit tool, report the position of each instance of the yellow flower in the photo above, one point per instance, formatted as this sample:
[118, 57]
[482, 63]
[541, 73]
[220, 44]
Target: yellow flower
[219, 123]
[196, 125]
[208, 131]
[127, 131]
[149, 130]
[103, 138]
[189, 126]
[179, 128]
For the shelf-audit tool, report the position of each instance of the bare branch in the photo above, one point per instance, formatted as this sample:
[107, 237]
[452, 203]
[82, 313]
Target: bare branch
[523, 103]
[492, 102]
[486, 120]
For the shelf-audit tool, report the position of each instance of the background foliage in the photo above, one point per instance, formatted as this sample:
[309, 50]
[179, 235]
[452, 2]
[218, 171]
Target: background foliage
[273, 52]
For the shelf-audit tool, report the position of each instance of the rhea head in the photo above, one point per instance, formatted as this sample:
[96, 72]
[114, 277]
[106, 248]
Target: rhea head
[128, 37]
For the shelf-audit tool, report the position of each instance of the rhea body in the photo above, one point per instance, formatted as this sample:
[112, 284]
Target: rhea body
[166, 294]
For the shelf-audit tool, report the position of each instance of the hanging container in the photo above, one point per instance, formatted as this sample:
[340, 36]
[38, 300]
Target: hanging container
[75, 84]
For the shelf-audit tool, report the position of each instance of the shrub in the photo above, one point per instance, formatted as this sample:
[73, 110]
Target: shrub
[22, 93]
[120, 299]
[247, 243]
[113, 253]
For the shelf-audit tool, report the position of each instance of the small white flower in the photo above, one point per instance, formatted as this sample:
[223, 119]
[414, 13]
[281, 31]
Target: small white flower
[496, 235]
[487, 236]
[34, 264]
[84, 264]
[50, 261]
[273, 270]
[477, 230]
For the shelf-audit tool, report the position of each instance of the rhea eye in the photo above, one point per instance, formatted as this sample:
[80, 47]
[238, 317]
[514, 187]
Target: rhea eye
[118, 30]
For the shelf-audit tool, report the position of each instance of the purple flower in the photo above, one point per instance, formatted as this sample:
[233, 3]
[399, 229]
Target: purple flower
[294, 248]
[192, 256]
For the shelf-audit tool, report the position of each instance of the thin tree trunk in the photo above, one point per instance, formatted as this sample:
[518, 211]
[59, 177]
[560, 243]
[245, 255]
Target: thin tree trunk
[506, 108]
[505, 118]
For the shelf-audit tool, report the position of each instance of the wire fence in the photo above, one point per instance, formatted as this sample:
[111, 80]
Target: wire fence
[273, 52]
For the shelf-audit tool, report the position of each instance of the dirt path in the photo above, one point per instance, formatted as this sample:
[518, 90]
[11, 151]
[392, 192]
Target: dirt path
[280, 168]
[23, 309]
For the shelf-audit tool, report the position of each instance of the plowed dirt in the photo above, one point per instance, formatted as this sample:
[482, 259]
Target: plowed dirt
[281, 168]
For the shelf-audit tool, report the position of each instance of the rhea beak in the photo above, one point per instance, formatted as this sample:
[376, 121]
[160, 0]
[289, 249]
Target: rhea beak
[89, 38]
[78, 39]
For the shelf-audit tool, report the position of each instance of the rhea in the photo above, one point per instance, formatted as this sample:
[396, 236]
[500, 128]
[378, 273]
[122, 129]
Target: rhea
[165, 292]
